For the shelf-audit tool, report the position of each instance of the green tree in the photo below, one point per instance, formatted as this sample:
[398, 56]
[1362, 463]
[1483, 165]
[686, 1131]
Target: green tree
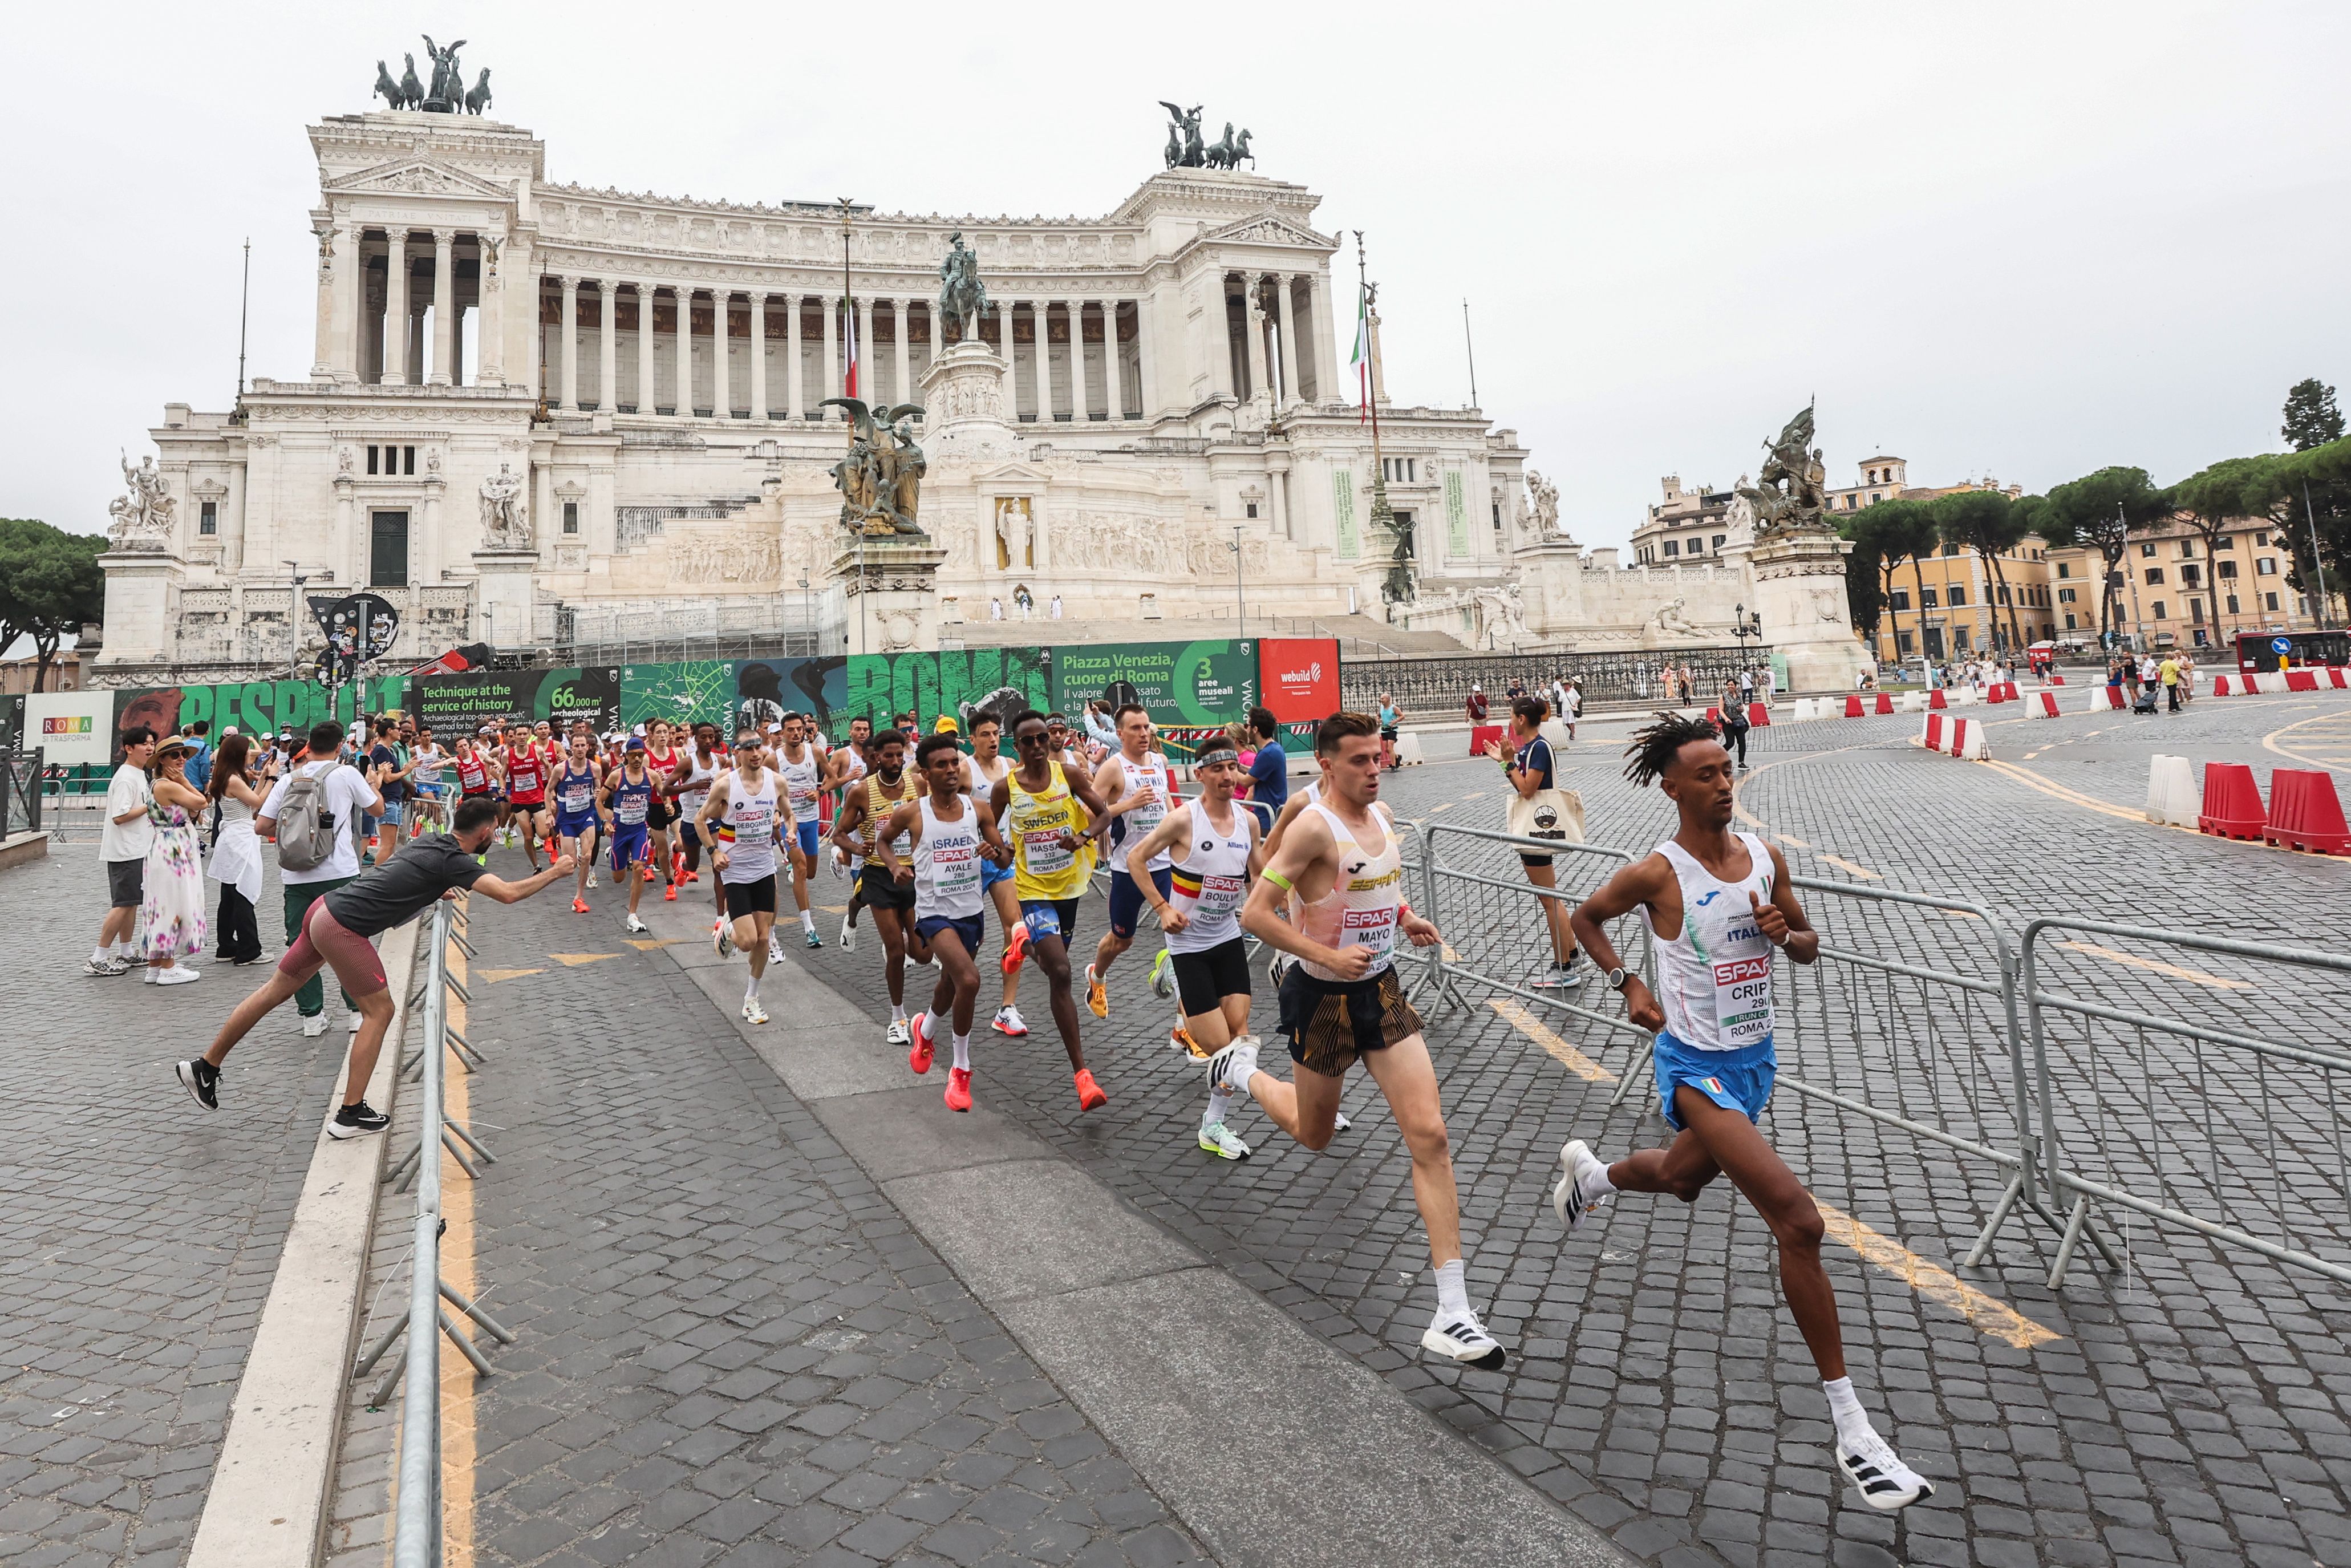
[2312, 420]
[2230, 491]
[1903, 531]
[50, 584]
[2101, 510]
[1866, 572]
[1985, 522]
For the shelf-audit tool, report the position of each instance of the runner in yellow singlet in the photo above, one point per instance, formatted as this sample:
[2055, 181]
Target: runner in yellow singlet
[1053, 818]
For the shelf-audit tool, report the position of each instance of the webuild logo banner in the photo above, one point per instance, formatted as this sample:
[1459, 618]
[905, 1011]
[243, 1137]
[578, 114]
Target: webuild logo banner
[1299, 677]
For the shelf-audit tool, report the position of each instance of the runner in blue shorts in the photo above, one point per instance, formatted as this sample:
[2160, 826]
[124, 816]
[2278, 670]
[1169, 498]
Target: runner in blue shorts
[1719, 910]
[573, 791]
[1134, 781]
[625, 802]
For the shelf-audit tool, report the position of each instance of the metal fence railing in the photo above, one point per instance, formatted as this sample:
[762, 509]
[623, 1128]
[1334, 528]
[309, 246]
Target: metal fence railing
[21, 793]
[417, 1522]
[2204, 1094]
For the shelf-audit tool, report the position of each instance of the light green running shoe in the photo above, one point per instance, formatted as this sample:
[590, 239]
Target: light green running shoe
[1163, 977]
[1219, 1140]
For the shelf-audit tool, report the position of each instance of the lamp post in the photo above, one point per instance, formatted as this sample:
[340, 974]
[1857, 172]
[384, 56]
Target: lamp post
[295, 578]
[808, 620]
[1241, 604]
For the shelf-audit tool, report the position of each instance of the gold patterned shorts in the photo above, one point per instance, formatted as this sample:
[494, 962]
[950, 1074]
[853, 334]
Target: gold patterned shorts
[1331, 1024]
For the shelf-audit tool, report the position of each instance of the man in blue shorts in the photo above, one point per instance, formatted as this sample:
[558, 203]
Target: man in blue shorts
[1718, 906]
[625, 803]
[1133, 781]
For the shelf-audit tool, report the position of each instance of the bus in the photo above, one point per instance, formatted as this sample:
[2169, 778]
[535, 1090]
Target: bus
[2260, 651]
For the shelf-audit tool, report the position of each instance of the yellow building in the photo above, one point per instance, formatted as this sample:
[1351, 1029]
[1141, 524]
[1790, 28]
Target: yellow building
[2172, 596]
[1955, 603]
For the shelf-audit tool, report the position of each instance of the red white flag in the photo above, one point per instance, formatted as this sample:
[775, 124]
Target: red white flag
[849, 349]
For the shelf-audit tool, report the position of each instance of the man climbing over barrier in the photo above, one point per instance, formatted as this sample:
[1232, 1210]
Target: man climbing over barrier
[1717, 904]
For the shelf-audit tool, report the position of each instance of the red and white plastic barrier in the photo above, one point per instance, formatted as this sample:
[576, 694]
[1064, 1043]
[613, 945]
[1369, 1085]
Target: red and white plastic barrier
[2044, 706]
[1960, 738]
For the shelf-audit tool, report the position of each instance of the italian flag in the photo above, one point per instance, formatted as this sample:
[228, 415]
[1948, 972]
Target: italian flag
[849, 348]
[1362, 358]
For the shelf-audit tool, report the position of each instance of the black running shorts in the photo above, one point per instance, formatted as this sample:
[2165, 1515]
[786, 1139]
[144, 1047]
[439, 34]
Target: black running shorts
[1205, 979]
[1328, 1025]
[751, 898]
[883, 890]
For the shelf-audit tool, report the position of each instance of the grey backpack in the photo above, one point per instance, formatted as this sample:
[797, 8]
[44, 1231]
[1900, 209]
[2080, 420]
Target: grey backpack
[306, 828]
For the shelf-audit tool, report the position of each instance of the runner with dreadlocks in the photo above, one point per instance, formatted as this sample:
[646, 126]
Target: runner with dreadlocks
[1716, 904]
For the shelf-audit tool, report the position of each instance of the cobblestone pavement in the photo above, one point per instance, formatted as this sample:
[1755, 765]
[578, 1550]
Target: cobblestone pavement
[2190, 1408]
[731, 1348]
[138, 1236]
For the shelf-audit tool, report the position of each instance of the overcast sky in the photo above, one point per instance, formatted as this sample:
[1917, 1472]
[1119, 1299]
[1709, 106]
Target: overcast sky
[2026, 241]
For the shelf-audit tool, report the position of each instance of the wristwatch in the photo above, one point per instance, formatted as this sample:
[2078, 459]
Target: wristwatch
[1616, 978]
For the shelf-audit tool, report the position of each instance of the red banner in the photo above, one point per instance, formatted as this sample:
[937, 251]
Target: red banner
[1299, 677]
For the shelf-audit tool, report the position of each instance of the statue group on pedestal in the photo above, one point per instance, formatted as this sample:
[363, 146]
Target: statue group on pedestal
[963, 298]
[880, 480]
[143, 519]
[1185, 150]
[505, 521]
[447, 95]
[1792, 492]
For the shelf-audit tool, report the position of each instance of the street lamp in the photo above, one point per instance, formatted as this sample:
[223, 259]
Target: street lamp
[1241, 604]
[808, 622]
[1744, 624]
[297, 577]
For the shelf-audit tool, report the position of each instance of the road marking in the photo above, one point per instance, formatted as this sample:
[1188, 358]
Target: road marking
[651, 944]
[1794, 844]
[1843, 864]
[1475, 795]
[457, 1415]
[2153, 966]
[2056, 790]
[1986, 1315]
[1446, 807]
[573, 960]
[492, 977]
[2270, 742]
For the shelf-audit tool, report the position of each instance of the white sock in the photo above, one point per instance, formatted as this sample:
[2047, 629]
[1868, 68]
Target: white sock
[897, 1013]
[1219, 1102]
[1844, 1407]
[124, 950]
[1601, 1185]
[962, 1051]
[1452, 1287]
[101, 955]
[807, 919]
[751, 992]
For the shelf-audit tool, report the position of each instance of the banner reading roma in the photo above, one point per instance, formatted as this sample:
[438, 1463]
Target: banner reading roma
[1180, 685]
[959, 682]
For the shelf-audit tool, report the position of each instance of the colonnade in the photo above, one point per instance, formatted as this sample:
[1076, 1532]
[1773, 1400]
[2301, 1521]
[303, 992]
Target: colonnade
[1271, 334]
[372, 306]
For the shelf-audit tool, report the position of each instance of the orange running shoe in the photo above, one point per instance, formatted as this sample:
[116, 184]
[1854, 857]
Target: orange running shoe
[919, 1056]
[1016, 947]
[1181, 1038]
[1097, 994]
[579, 906]
[669, 893]
[958, 1088]
[648, 872]
[1090, 1094]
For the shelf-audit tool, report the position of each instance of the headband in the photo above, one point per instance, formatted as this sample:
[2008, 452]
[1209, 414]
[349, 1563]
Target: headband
[1222, 754]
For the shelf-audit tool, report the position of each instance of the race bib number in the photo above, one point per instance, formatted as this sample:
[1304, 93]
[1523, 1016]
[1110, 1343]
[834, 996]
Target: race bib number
[1374, 929]
[955, 868]
[577, 796]
[630, 809]
[1742, 999]
[1219, 895]
[1042, 849]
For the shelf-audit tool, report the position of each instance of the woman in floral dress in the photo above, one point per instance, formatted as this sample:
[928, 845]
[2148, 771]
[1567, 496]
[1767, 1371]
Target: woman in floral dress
[172, 910]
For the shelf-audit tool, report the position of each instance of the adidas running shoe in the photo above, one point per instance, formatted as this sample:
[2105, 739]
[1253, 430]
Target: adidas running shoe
[1231, 1067]
[1574, 1195]
[1885, 1482]
[1460, 1337]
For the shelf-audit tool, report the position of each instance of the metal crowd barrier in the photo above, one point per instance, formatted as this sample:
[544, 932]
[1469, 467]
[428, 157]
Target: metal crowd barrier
[417, 1520]
[2213, 1107]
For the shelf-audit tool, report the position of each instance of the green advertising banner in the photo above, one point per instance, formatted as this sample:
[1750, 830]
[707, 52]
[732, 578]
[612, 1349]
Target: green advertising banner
[1180, 685]
[1343, 496]
[691, 692]
[454, 704]
[767, 689]
[959, 682]
[256, 707]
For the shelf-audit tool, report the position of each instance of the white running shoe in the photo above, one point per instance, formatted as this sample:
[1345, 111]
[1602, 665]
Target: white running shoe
[1571, 1196]
[1459, 1336]
[775, 949]
[591, 881]
[720, 941]
[847, 936]
[752, 1012]
[351, 1024]
[1219, 1140]
[897, 1033]
[313, 1026]
[633, 923]
[177, 975]
[1276, 968]
[1231, 1067]
[1339, 1124]
[1010, 1021]
[1885, 1482]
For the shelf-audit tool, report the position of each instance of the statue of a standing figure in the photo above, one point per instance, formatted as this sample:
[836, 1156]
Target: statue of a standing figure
[963, 298]
[448, 89]
[880, 477]
[143, 519]
[1545, 496]
[1190, 152]
[1791, 493]
[505, 522]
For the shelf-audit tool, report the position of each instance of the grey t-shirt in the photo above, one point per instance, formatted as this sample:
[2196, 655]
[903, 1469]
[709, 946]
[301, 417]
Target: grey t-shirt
[384, 897]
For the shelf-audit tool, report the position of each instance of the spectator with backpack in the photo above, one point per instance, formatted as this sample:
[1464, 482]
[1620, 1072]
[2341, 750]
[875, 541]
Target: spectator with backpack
[312, 812]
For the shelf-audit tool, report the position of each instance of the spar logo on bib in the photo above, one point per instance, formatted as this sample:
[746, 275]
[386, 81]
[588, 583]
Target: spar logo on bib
[1739, 971]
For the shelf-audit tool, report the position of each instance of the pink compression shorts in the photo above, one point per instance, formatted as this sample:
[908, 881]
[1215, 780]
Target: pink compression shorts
[328, 942]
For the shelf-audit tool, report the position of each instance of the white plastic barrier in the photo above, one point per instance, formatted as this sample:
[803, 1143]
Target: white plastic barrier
[2172, 794]
[1913, 702]
[1805, 711]
[1407, 748]
[2042, 703]
[2269, 680]
[2106, 699]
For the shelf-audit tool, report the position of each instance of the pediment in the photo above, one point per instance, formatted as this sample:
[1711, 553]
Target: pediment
[416, 177]
[1268, 228]
[1015, 470]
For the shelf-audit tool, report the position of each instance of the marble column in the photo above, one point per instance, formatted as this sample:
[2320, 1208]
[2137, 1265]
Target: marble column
[1041, 310]
[1114, 394]
[1146, 364]
[683, 400]
[645, 347]
[795, 402]
[351, 301]
[395, 309]
[902, 319]
[570, 402]
[1078, 406]
[608, 345]
[758, 356]
[1221, 342]
[445, 307]
[1324, 330]
[322, 358]
[868, 376]
[1286, 335]
[1253, 322]
[829, 367]
[722, 396]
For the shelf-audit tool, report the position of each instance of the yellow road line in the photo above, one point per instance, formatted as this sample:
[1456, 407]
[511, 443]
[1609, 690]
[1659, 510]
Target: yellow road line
[1793, 843]
[492, 977]
[2269, 743]
[1447, 805]
[1843, 864]
[574, 960]
[457, 1416]
[651, 944]
[2032, 781]
[2150, 965]
[1987, 1315]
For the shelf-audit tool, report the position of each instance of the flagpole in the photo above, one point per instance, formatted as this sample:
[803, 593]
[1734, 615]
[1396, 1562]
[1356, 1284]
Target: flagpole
[1367, 293]
[848, 310]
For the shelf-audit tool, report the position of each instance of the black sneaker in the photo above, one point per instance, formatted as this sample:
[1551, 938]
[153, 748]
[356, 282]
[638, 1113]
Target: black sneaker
[357, 1121]
[200, 1079]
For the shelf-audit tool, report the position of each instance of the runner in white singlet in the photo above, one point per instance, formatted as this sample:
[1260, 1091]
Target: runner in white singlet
[1720, 907]
[843, 770]
[1135, 780]
[801, 766]
[757, 817]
